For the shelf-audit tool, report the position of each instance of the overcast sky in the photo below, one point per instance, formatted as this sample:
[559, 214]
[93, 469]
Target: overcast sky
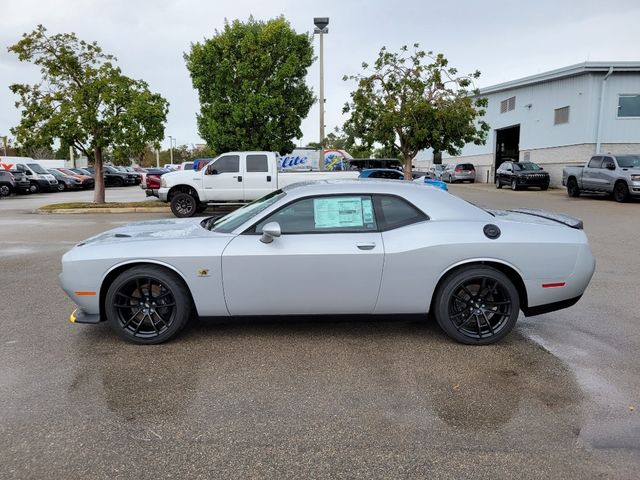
[504, 39]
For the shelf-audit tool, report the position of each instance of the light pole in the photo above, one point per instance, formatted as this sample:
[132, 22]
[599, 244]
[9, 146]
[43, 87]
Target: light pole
[321, 24]
[171, 148]
[4, 144]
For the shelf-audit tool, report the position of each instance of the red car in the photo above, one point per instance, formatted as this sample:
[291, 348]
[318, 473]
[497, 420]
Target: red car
[151, 181]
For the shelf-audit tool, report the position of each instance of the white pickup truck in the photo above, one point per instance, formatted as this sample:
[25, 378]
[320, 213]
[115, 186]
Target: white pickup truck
[234, 177]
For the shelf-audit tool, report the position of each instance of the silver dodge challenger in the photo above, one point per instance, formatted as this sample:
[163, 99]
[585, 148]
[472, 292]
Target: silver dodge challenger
[334, 247]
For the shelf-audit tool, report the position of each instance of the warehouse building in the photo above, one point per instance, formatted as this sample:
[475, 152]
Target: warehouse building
[557, 118]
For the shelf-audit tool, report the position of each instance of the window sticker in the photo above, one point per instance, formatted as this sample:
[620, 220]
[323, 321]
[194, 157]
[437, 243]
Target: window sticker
[367, 210]
[340, 212]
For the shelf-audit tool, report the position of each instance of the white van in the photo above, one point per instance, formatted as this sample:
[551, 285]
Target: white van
[39, 178]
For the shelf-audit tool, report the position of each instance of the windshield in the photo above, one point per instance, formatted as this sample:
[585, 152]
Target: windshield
[628, 161]
[230, 222]
[529, 166]
[188, 166]
[36, 168]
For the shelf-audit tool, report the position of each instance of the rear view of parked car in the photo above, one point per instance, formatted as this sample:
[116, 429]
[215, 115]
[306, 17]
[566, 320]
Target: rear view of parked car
[521, 175]
[23, 185]
[461, 172]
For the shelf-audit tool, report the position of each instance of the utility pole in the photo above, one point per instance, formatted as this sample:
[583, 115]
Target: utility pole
[321, 24]
[171, 148]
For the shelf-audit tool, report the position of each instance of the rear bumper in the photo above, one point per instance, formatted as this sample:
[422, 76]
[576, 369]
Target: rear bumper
[550, 307]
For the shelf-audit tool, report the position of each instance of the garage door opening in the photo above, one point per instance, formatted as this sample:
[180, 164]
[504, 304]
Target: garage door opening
[507, 145]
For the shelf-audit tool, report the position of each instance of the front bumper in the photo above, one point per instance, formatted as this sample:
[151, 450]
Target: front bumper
[163, 194]
[80, 316]
[47, 185]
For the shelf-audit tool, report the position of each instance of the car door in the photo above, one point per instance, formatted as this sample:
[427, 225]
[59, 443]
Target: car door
[222, 179]
[259, 177]
[607, 176]
[591, 172]
[328, 260]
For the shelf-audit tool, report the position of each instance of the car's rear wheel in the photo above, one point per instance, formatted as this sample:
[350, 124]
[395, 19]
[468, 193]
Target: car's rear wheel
[498, 184]
[572, 188]
[477, 305]
[183, 205]
[118, 182]
[620, 192]
[148, 304]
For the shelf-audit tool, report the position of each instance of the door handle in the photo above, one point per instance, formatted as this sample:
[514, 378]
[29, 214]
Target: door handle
[366, 246]
[268, 178]
[239, 177]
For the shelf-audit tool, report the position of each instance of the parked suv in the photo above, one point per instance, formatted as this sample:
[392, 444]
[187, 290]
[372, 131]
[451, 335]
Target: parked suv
[461, 172]
[23, 185]
[521, 175]
[113, 177]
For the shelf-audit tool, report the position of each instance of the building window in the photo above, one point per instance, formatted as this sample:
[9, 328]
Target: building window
[629, 105]
[508, 105]
[561, 115]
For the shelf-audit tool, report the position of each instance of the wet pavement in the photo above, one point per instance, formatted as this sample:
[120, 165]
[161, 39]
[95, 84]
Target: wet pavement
[351, 397]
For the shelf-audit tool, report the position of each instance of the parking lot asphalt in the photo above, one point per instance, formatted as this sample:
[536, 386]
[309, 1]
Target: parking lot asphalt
[353, 397]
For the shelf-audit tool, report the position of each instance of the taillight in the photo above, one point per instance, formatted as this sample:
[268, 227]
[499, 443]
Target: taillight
[457, 170]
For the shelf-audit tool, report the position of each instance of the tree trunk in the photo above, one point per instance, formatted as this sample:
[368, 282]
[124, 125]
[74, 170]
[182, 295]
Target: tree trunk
[407, 168]
[98, 193]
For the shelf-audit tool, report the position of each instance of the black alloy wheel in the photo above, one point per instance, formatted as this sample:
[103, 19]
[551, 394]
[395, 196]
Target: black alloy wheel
[118, 182]
[572, 188]
[620, 192]
[5, 190]
[148, 304]
[34, 188]
[183, 205]
[478, 305]
[61, 186]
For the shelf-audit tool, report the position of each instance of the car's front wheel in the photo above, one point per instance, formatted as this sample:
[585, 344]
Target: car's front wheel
[477, 305]
[498, 184]
[5, 190]
[620, 192]
[148, 304]
[183, 205]
[514, 185]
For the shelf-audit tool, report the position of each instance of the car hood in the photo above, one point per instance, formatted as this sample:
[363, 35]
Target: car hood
[166, 229]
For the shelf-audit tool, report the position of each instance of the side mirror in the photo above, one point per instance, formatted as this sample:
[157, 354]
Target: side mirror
[611, 166]
[270, 231]
[541, 168]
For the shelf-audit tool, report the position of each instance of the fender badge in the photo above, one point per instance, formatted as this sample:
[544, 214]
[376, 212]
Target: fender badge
[203, 272]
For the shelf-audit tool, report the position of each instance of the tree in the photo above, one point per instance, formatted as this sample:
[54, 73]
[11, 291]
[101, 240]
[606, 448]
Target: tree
[410, 105]
[250, 79]
[84, 101]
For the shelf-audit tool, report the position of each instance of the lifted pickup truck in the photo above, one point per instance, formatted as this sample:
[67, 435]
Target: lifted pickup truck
[234, 177]
[617, 175]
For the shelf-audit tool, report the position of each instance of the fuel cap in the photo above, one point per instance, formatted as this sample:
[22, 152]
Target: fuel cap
[491, 231]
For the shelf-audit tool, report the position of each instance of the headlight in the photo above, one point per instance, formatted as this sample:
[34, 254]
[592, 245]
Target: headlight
[635, 178]
[163, 182]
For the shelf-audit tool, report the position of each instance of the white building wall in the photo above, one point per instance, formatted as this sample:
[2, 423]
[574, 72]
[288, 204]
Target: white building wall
[615, 129]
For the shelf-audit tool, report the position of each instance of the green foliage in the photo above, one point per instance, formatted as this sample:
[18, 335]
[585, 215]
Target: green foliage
[84, 101]
[413, 100]
[250, 79]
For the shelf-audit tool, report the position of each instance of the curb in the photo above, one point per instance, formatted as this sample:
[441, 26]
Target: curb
[75, 211]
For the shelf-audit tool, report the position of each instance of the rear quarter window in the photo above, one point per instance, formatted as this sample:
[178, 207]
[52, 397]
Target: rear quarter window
[395, 212]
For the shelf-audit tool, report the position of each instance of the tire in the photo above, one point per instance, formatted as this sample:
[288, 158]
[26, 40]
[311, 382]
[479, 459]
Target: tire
[572, 188]
[514, 185]
[61, 187]
[183, 205]
[620, 192]
[498, 184]
[5, 190]
[133, 299]
[118, 182]
[544, 187]
[34, 188]
[484, 291]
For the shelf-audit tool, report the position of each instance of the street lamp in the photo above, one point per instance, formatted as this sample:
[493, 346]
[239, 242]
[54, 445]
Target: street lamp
[321, 24]
[171, 140]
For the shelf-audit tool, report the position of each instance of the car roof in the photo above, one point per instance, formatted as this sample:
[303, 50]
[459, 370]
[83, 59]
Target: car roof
[437, 203]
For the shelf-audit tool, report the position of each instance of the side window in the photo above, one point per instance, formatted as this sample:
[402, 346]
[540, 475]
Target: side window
[608, 162]
[227, 164]
[595, 162]
[257, 163]
[394, 212]
[330, 214]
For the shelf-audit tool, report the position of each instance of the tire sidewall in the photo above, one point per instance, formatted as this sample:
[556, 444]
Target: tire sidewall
[620, 192]
[514, 185]
[451, 282]
[172, 281]
[498, 184]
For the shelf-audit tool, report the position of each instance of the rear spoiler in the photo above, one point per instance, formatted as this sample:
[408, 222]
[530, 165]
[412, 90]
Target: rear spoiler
[567, 220]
